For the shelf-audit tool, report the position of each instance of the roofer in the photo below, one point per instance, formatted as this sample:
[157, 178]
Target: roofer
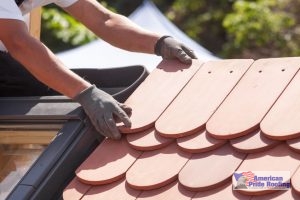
[22, 54]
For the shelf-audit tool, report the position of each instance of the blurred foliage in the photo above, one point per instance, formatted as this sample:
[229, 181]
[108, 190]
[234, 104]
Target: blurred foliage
[264, 26]
[201, 20]
[60, 31]
[228, 28]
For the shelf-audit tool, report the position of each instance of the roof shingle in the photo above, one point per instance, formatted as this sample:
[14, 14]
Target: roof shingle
[194, 126]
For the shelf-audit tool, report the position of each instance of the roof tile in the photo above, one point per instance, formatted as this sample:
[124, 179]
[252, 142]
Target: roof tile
[112, 191]
[158, 168]
[294, 144]
[75, 190]
[221, 193]
[250, 100]
[103, 167]
[278, 195]
[206, 170]
[171, 191]
[152, 97]
[296, 181]
[253, 142]
[282, 121]
[193, 128]
[201, 97]
[279, 158]
[148, 140]
[199, 142]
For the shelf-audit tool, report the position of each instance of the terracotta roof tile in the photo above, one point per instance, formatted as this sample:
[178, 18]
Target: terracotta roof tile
[159, 89]
[199, 142]
[155, 169]
[76, 190]
[250, 100]
[294, 144]
[279, 158]
[279, 195]
[282, 121]
[212, 163]
[116, 190]
[103, 167]
[253, 142]
[296, 181]
[221, 193]
[194, 126]
[204, 93]
[148, 140]
[171, 191]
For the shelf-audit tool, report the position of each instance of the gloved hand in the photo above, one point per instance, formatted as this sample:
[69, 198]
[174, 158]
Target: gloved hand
[169, 48]
[104, 111]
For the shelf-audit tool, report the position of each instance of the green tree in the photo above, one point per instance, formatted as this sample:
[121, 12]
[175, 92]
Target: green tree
[201, 20]
[262, 26]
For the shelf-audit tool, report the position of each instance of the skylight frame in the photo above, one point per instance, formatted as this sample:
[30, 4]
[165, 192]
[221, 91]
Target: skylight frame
[50, 173]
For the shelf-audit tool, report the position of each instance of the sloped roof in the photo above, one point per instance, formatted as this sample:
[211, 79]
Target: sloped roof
[101, 54]
[194, 126]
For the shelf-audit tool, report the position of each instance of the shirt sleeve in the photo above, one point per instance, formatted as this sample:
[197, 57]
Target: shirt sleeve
[10, 10]
[64, 3]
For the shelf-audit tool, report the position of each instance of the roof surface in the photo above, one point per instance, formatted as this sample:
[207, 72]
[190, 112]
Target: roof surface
[194, 126]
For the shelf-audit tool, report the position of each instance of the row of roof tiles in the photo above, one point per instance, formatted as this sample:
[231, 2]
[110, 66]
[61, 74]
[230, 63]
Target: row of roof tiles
[194, 126]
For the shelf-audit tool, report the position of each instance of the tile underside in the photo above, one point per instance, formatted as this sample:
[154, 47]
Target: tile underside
[200, 165]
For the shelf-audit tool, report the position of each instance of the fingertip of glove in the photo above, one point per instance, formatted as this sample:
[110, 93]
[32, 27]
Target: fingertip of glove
[127, 109]
[127, 122]
[188, 61]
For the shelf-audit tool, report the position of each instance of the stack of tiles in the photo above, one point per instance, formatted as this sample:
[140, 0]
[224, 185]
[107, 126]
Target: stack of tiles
[193, 126]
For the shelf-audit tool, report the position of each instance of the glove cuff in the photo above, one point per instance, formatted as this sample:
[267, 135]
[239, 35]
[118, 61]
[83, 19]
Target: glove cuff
[79, 97]
[157, 46]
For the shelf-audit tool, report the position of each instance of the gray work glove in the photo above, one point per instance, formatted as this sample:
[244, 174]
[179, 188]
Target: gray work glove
[169, 48]
[104, 111]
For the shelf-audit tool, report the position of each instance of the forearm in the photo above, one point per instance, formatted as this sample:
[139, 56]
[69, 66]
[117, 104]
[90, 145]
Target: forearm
[113, 28]
[43, 64]
[124, 34]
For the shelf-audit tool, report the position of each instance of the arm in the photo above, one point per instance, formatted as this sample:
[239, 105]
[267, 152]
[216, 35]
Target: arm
[123, 33]
[43, 64]
[113, 28]
[38, 59]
